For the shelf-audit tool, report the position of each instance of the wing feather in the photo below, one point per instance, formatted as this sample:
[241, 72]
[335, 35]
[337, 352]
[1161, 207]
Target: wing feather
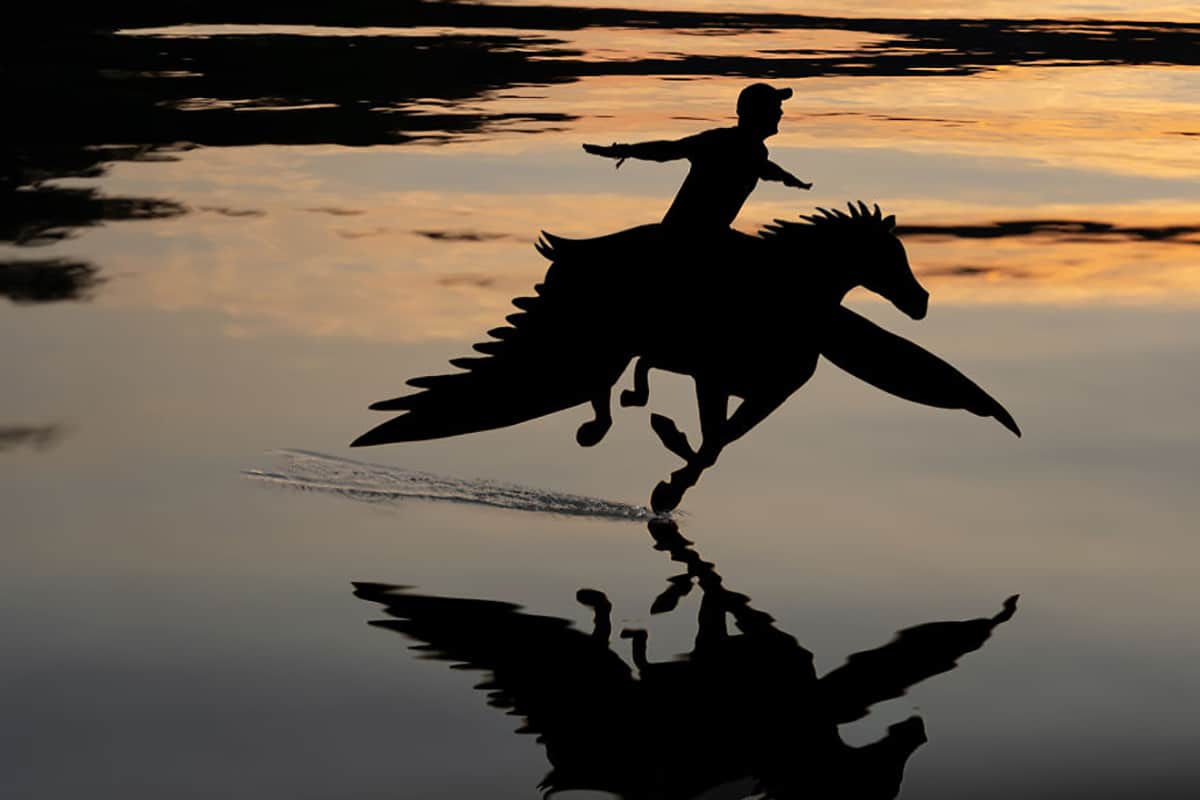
[901, 368]
[488, 348]
[915, 654]
[564, 346]
[561, 680]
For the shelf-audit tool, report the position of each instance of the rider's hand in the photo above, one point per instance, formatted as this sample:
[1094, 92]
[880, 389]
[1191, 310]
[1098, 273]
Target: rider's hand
[608, 151]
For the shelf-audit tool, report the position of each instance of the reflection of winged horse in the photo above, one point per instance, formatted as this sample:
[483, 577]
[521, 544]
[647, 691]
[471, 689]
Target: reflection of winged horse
[743, 315]
[741, 713]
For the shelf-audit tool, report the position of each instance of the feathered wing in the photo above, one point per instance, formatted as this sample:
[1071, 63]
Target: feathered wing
[575, 693]
[915, 654]
[901, 368]
[568, 344]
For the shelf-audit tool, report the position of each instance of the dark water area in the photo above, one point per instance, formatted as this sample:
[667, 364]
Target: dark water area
[225, 229]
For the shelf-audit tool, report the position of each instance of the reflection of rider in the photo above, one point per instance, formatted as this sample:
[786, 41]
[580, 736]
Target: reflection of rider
[727, 163]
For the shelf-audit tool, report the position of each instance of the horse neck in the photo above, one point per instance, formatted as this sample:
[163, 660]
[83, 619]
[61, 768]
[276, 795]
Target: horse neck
[837, 272]
[833, 264]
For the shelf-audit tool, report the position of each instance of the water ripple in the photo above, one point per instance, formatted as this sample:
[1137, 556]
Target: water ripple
[308, 471]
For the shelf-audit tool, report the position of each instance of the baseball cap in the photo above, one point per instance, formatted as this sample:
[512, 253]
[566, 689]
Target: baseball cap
[760, 95]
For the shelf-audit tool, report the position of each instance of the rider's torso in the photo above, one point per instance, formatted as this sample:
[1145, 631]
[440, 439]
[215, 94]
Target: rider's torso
[726, 165]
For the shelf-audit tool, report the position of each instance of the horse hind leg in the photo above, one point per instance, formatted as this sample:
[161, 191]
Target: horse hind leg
[591, 432]
[639, 395]
[672, 438]
[668, 494]
[601, 608]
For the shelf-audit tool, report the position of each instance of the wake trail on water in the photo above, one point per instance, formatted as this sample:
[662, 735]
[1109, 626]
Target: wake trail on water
[307, 471]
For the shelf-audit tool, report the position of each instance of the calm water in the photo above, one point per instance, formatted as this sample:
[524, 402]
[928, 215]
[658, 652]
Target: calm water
[221, 241]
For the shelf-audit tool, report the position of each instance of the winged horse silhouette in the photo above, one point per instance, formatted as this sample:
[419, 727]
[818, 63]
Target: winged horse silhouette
[743, 713]
[745, 315]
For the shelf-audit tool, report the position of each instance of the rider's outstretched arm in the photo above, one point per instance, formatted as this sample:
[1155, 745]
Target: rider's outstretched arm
[662, 150]
[773, 172]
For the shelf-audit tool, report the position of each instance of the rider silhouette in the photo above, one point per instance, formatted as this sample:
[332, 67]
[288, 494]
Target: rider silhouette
[727, 163]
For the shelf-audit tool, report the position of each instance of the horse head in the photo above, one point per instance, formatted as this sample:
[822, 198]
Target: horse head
[864, 250]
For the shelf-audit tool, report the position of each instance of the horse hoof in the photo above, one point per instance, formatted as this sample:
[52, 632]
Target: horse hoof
[632, 399]
[667, 536]
[590, 433]
[665, 497]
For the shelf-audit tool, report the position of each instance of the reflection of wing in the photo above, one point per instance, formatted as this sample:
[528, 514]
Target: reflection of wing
[570, 687]
[563, 350]
[914, 655]
[899, 367]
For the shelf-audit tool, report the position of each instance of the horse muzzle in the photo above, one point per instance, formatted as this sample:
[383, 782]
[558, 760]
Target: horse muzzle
[915, 305]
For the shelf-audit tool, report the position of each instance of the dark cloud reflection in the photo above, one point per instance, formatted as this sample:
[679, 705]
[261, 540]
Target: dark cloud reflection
[461, 236]
[47, 281]
[44, 214]
[1063, 230]
[37, 437]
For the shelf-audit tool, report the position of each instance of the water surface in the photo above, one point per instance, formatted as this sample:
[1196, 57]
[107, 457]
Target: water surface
[226, 233]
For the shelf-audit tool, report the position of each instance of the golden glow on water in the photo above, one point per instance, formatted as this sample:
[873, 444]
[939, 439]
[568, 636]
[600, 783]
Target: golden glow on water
[935, 151]
[1127, 119]
[627, 44]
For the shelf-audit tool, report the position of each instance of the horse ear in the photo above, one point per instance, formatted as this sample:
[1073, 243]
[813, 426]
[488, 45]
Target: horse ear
[889, 221]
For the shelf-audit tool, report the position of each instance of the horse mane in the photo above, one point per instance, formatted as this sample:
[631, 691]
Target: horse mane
[860, 219]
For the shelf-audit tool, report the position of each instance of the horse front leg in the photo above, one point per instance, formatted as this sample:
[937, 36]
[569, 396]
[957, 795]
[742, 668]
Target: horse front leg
[711, 419]
[713, 404]
[751, 411]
